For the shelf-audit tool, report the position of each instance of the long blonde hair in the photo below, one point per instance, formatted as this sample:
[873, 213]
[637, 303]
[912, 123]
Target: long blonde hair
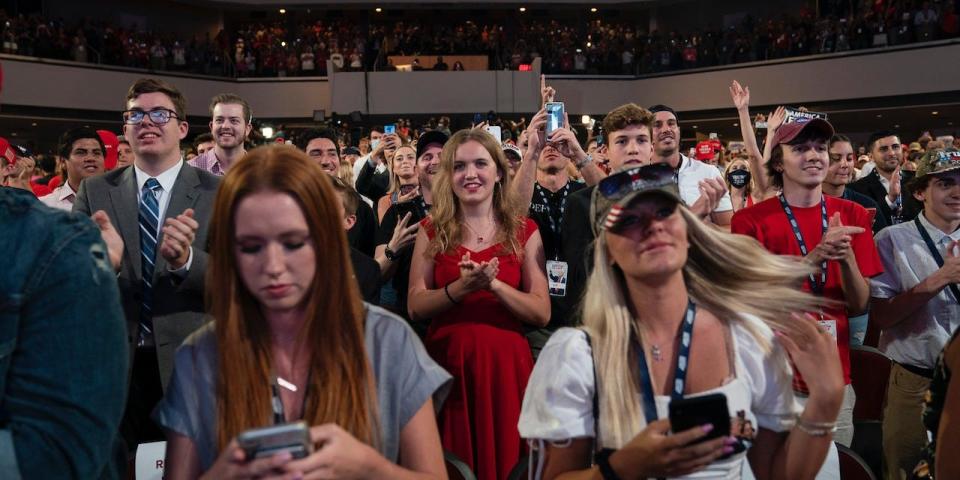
[394, 185]
[341, 386]
[726, 274]
[445, 213]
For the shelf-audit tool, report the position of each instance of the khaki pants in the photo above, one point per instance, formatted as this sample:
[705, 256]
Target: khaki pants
[904, 435]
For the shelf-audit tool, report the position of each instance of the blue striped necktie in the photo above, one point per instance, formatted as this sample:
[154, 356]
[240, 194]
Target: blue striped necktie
[149, 230]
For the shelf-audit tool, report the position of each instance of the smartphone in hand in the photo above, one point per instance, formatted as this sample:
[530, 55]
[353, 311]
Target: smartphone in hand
[555, 116]
[687, 413]
[269, 441]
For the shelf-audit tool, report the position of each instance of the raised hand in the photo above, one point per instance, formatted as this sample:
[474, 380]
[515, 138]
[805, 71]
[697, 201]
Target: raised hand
[740, 96]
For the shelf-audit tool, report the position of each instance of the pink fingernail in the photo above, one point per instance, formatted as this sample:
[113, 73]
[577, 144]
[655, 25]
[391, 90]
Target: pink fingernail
[730, 441]
[727, 450]
[707, 427]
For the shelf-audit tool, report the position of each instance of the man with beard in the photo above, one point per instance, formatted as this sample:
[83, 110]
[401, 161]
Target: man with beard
[230, 119]
[81, 152]
[840, 173]
[884, 184]
[399, 225]
[322, 147]
[701, 185]
[543, 186]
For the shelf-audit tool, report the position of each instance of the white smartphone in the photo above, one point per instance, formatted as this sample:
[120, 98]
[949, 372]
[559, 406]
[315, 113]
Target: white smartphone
[554, 116]
[495, 131]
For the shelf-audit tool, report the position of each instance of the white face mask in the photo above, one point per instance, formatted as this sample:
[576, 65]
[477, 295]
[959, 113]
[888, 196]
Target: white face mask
[374, 143]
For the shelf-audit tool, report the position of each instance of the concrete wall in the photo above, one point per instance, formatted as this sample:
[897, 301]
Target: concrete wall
[863, 76]
[65, 85]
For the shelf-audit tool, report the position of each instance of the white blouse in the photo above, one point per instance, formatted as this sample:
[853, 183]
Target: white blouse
[558, 404]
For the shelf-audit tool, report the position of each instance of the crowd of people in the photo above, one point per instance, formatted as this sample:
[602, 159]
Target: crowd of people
[302, 47]
[544, 300]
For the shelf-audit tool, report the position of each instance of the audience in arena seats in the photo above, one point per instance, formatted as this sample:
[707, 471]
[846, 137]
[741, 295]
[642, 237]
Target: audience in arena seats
[412, 290]
[598, 46]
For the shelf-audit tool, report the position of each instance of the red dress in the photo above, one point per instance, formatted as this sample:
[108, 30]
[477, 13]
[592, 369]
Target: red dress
[482, 345]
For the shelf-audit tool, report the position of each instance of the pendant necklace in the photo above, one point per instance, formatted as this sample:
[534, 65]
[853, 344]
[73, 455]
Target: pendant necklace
[479, 236]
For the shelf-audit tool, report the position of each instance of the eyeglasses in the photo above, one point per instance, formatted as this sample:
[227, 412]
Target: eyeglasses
[647, 177]
[159, 116]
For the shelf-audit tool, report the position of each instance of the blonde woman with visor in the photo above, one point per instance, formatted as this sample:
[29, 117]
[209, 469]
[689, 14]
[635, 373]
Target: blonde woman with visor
[676, 309]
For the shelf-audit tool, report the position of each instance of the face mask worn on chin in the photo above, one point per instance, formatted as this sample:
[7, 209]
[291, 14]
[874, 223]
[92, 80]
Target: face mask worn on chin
[738, 178]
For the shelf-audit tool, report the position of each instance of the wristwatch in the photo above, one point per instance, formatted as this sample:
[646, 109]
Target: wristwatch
[586, 161]
[390, 254]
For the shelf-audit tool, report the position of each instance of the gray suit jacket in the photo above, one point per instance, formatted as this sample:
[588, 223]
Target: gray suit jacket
[178, 304]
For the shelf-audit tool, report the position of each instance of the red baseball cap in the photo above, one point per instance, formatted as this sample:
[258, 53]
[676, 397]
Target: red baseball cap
[705, 150]
[787, 132]
[111, 143]
[7, 151]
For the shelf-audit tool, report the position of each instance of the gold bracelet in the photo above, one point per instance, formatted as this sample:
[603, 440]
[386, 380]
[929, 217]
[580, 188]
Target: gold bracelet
[815, 429]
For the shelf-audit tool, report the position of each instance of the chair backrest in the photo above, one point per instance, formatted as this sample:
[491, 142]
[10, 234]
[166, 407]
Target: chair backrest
[519, 471]
[852, 467]
[869, 374]
[456, 468]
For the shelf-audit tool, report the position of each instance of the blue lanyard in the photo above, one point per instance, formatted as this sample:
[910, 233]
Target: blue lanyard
[679, 376]
[936, 254]
[815, 287]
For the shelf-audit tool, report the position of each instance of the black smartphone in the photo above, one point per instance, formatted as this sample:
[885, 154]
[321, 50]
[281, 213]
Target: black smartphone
[687, 413]
[477, 118]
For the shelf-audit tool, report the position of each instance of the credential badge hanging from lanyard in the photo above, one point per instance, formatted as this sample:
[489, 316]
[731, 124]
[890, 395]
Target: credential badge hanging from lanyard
[556, 269]
[816, 285]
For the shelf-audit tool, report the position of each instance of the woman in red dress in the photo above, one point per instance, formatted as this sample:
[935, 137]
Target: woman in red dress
[477, 273]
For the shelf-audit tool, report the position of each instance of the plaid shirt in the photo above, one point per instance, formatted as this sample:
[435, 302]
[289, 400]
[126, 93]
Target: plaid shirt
[209, 162]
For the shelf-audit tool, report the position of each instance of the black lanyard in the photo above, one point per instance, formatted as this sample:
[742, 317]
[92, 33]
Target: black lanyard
[936, 255]
[556, 218]
[276, 403]
[815, 287]
[679, 376]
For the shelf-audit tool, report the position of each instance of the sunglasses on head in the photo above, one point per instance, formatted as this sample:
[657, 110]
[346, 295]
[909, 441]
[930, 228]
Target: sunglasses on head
[647, 177]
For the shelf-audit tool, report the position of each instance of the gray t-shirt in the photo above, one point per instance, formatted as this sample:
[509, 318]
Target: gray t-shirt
[405, 376]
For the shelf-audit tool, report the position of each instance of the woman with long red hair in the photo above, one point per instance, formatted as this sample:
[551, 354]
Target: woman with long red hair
[292, 340]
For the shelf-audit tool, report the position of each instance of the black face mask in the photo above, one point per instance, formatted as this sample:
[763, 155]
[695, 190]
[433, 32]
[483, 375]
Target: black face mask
[738, 178]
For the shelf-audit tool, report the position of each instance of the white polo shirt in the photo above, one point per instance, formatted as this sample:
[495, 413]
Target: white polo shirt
[918, 339]
[691, 173]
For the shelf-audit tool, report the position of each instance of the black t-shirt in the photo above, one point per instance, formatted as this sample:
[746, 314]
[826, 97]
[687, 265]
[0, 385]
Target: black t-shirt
[576, 246]
[547, 209]
[364, 231]
[393, 215]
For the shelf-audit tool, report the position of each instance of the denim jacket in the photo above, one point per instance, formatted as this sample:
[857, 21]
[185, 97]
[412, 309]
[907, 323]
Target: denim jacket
[63, 346]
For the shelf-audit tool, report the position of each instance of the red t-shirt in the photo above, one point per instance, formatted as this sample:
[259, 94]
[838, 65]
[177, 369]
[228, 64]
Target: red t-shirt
[767, 222]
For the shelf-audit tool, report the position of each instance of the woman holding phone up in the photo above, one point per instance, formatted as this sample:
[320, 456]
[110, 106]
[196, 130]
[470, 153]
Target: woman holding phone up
[674, 308]
[291, 340]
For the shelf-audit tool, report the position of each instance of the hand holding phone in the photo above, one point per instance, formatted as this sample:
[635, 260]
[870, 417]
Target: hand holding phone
[555, 117]
[687, 413]
[292, 438]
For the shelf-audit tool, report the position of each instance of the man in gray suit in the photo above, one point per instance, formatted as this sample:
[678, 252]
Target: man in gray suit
[153, 216]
